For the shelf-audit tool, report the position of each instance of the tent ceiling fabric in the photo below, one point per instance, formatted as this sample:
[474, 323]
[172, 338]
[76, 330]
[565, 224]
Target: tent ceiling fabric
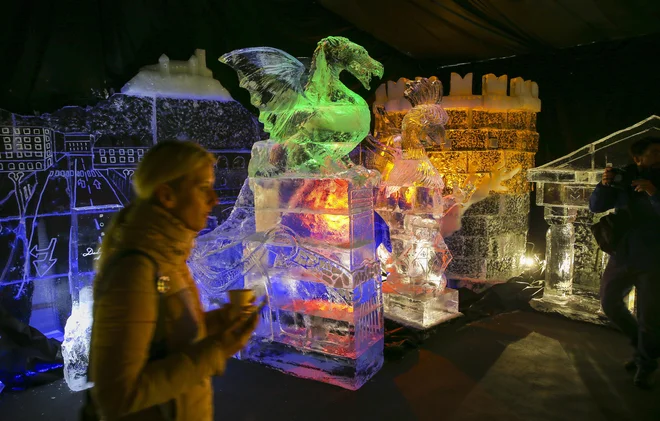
[482, 29]
[73, 52]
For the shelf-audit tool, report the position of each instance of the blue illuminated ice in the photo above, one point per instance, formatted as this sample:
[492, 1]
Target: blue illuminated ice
[317, 267]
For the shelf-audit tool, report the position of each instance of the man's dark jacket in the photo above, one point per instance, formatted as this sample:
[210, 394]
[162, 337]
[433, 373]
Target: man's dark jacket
[640, 246]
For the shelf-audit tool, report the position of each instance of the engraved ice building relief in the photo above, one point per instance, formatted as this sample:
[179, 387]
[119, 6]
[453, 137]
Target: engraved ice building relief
[66, 173]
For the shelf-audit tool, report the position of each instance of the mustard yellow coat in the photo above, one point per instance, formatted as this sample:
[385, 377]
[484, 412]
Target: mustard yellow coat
[126, 385]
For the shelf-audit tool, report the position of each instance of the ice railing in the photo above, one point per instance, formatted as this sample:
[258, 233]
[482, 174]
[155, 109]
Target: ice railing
[585, 165]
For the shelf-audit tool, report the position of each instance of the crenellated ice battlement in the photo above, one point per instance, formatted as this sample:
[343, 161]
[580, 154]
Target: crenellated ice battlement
[523, 95]
[498, 94]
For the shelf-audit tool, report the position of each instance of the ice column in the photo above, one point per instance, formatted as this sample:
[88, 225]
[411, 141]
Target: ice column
[560, 243]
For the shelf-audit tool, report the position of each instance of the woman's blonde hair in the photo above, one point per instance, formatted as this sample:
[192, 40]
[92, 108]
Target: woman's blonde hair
[167, 162]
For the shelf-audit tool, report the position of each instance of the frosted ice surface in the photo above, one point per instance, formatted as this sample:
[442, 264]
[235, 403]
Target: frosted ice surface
[217, 262]
[77, 341]
[177, 79]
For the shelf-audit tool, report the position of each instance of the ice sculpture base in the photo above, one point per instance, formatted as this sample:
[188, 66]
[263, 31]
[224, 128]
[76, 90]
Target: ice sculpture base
[315, 331]
[422, 312]
[348, 373]
[575, 307]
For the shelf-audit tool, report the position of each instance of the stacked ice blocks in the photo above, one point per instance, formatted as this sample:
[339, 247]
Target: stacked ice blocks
[317, 264]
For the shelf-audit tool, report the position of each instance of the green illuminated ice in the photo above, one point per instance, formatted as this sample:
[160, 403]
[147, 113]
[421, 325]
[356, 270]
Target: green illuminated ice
[312, 117]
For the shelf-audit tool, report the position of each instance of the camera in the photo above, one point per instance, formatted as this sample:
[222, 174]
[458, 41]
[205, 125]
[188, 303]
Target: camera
[619, 176]
[623, 177]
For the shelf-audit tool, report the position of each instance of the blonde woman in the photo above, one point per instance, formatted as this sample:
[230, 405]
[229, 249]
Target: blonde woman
[153, 348]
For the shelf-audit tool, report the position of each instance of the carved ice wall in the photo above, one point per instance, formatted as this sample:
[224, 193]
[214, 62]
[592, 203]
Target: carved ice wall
[63, 175]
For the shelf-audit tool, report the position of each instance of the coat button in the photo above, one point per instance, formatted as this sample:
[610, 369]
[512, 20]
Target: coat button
[163, 284]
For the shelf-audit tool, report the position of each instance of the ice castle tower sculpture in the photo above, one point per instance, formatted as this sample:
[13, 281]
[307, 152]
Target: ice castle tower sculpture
[313, 253]
[488, 145]
[484, 131]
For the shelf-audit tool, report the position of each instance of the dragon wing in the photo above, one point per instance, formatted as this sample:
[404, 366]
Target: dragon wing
[274, 78]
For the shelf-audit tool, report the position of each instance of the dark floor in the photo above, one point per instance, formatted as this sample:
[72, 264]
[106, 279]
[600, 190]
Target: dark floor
[519, 366]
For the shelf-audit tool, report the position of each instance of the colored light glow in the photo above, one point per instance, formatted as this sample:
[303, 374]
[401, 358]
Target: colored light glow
[327, 196]
[321, 308]
[408, 195]
[527, 262]
[319, 292]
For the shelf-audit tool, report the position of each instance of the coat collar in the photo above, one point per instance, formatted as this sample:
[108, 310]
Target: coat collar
[153, 229]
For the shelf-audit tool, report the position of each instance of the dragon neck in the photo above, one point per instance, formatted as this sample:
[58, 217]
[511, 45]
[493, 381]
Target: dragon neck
[324, 81]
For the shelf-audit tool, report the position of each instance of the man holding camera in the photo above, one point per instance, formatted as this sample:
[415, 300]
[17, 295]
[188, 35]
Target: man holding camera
[634, 191]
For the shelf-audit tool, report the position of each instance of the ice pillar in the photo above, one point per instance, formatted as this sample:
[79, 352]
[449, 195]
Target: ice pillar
[560, 240]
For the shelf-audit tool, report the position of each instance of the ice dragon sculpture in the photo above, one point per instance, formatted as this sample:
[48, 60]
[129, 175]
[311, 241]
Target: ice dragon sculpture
[310, 112]
[302, 232]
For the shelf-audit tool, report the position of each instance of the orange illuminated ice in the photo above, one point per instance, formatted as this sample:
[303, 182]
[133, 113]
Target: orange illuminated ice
[329, 196]
[321, 308]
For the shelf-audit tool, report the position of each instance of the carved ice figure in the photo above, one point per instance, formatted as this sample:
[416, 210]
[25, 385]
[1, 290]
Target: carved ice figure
[310, 111]
[410, 201]
[77, 340]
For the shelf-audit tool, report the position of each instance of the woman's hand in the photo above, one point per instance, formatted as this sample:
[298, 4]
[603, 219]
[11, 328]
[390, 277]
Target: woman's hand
[217, 320]
[238, 331]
